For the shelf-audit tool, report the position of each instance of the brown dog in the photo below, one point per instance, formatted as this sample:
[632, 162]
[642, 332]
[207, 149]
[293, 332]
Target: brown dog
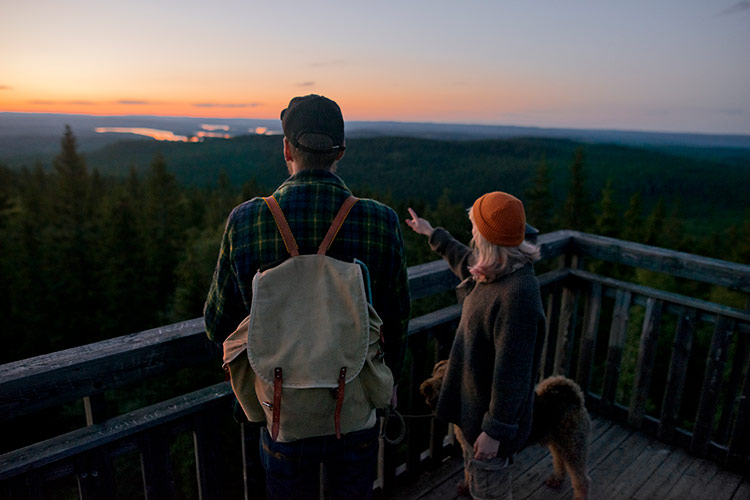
[560, 422]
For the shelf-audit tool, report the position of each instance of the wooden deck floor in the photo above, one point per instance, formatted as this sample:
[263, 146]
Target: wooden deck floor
[622, 464]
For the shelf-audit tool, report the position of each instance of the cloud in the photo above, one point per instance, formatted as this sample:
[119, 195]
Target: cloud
[225, 105]
[5, 87]
[736, 8]
[80, 103]
[306, 84]
[132, 102]
[42, 101]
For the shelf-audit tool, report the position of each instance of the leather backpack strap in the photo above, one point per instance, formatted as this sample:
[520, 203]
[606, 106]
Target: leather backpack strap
[286, 233]
[338, 221]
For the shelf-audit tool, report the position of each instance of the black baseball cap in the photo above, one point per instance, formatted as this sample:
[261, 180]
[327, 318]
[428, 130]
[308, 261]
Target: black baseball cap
[317, 117]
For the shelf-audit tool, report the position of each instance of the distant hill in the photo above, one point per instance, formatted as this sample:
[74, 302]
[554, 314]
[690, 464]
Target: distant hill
[405, 168]
[29, 137]
[702, 173]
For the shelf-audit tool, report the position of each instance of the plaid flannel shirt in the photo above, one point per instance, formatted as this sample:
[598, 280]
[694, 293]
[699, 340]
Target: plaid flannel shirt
[310, 200]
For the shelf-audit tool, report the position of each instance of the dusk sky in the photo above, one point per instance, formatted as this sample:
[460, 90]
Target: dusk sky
[658, 65]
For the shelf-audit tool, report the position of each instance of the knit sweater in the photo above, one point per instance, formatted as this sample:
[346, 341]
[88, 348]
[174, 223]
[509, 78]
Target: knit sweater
[489, 383]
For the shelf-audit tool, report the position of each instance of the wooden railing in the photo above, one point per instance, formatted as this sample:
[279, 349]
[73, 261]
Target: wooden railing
[638, 352]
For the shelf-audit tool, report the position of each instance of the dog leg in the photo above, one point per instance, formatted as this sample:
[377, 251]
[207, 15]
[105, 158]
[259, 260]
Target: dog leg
[558, 476]
[574, 457]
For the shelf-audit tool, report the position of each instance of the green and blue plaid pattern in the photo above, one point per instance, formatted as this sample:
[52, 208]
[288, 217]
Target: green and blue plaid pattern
[310, 200]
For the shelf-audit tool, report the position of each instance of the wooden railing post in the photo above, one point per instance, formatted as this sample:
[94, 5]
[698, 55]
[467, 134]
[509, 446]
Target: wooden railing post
[550, 342]
[588, 337]
[617, 335]
[254, 477]
[717, 357]
[156, 465]
[683, 344]
[739, 442]
[566, 331]
[207, 456]
[645, 364]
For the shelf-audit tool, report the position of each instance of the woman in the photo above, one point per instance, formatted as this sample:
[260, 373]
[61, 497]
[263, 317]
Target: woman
[488, 389]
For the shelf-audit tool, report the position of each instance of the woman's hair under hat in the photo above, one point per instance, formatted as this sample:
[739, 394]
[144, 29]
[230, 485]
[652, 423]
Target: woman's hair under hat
[500, 219]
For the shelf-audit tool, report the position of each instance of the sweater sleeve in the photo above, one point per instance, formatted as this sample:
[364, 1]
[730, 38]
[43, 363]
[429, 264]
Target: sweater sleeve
[515, 331]
[453, 251]
[224, 308]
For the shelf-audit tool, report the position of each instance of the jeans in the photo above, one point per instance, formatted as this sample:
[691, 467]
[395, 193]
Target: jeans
[293, 468]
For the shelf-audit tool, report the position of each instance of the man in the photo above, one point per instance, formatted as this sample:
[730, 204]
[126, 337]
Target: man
[313, 142]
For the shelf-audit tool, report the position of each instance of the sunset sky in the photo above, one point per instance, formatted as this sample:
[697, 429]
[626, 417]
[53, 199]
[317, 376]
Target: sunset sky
[660, 65]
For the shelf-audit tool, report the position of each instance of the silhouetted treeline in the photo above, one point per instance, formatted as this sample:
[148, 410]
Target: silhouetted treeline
[86, 257]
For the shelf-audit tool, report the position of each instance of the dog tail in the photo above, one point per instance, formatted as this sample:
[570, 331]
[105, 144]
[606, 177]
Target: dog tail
[555, 396]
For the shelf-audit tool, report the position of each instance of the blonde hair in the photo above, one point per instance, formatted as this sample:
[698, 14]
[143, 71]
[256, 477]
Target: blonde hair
[490, 261]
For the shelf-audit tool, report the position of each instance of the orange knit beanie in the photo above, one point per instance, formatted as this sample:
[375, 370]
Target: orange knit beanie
[500, 218]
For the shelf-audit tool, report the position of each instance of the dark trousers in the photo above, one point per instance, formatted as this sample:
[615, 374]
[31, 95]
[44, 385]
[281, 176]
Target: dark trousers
[293, 469]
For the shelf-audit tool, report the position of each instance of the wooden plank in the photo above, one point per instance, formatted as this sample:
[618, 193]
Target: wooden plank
[156, 465]
[636, 475]
[739, 446]
[674, 301]
[694, 480]
[566, 331]
[430, 278]
[645, 363]
[94, 475]
[548, 352]
[207, 455]
[662, 480]
[434, 319]
[554, 244]
[95, 408]
[610, 468]
[254, 477]
[732, 393]
[743, 490]
[717, 357]
[683, 344]
[588, 338]
[81, 440]
[447, 474]
[417, 439]
[617, 335]
[53, 379]
[532, 480]
[722, 487]
[680, 264]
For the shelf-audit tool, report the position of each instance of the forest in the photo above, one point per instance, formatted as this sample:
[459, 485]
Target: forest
[89, 252]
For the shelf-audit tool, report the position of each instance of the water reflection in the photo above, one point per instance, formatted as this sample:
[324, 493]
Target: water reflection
[159, 135]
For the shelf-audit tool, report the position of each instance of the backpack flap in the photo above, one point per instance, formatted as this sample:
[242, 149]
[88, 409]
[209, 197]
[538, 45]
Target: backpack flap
[310, 317]
[240, 372]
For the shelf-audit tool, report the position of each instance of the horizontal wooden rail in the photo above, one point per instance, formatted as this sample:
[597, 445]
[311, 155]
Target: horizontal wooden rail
[680, 264]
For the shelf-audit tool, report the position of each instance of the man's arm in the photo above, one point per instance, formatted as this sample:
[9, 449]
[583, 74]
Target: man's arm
[396, 305]
[224, 307]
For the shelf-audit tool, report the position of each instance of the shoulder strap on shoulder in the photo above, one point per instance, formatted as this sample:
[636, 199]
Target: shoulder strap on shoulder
[338, 221]
[286, 233]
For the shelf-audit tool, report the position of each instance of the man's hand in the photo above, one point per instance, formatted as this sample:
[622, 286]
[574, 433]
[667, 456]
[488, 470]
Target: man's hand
[485, 447]
[419, 225]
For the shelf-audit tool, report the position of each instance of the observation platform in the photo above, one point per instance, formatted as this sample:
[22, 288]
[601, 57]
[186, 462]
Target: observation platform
[665, 376]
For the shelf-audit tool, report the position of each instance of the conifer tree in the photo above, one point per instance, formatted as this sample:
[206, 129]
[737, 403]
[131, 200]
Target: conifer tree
[163, 230]
[539, 203]
[633, 219]
[73, 269]
[608, 220]
[576, 212]
[654, 227]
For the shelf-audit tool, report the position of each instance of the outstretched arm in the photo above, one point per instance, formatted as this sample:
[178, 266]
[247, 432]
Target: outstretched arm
[419, 225]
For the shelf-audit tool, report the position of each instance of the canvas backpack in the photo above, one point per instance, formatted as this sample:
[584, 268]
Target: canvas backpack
[308, 360]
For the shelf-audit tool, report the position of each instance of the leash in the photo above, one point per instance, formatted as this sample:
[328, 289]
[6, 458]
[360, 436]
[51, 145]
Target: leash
[390, 411]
